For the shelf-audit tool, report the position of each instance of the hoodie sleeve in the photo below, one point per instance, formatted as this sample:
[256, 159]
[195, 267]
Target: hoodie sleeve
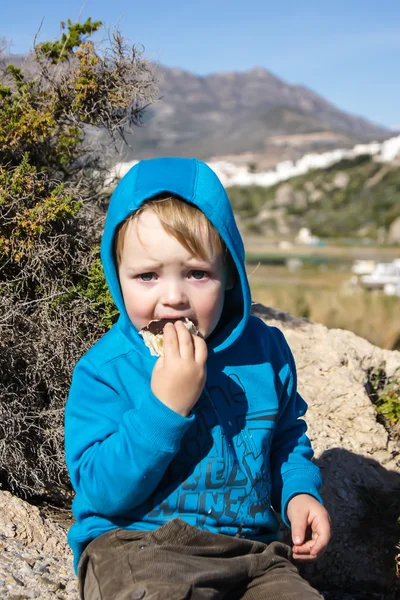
[293, 471]
[116, 455]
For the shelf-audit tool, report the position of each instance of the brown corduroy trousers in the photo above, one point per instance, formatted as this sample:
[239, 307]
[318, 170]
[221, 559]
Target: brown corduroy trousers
[179, 562]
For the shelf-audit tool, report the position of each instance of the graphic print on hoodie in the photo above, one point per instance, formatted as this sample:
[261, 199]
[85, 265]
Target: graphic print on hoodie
[133, 462]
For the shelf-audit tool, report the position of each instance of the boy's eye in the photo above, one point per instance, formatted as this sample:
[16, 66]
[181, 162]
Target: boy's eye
[198, 274]
[146, 276]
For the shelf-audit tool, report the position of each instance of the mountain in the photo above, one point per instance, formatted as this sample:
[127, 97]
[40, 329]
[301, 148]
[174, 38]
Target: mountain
[253, 116]
[237, 113]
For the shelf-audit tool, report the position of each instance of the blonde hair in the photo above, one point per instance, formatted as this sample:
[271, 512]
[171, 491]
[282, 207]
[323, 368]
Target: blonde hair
[183, 221]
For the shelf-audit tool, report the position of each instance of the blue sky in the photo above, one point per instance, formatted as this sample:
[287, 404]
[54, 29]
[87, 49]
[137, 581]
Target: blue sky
[347, 51]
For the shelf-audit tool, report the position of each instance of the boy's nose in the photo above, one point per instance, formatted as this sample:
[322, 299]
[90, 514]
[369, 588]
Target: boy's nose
[174, 294]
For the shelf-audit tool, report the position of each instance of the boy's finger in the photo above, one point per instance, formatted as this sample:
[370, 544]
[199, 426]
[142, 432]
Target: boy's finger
[313, 548]
[321, 534]
[303, 548]
[171, 345]
[200, 349]
[185, 341]
[304, 557]
[320, 544]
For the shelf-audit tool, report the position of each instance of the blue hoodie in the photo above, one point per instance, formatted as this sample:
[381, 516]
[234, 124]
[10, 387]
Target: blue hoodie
[133, 462]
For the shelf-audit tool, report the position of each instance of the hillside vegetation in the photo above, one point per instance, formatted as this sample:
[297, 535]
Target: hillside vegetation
[357, 198]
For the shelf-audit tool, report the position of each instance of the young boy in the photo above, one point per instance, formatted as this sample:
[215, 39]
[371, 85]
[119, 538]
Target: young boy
[179, 462]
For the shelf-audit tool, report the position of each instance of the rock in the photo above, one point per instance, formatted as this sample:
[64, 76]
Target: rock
[315, 196]
[24, 522]
[272, 220]
[360, 464]
[393, 236]
[18, 580]
[341, 180]
[35, 559]
[284, 195]
[300, 200]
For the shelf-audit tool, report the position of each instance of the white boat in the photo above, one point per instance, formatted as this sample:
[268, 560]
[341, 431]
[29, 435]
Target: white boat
[383, 274]
[363, 267]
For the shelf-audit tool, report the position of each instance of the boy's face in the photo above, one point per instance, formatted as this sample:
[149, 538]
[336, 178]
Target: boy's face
[160, 279]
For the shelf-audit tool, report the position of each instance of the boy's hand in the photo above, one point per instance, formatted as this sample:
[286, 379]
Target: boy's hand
[179, 376]
[311, 527]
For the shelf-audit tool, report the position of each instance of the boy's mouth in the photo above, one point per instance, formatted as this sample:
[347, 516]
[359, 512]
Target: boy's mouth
[174, 318]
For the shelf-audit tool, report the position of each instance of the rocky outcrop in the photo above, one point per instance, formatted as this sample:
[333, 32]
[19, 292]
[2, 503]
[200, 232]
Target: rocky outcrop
[394, 232]
[35, 560]
[360, 463]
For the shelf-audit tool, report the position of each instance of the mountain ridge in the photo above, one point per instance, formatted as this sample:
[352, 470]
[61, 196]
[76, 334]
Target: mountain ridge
[252, 115]
[199, 114]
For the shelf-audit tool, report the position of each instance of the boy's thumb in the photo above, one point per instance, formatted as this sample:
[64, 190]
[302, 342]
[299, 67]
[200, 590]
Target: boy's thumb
[299, 527]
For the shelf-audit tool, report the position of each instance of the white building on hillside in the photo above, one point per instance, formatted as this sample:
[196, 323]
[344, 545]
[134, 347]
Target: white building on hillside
[231, 174]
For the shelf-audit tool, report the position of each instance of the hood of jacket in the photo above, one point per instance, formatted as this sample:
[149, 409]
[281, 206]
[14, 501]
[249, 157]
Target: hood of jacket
[193, 181]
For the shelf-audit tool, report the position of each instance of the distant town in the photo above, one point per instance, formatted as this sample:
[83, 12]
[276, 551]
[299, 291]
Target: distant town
[232, 174]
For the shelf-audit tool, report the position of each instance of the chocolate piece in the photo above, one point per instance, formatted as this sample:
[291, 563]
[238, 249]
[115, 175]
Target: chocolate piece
[153, 333]
[157, 326]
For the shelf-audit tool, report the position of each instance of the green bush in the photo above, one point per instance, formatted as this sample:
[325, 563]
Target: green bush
[95, 289]
[386, 397]
[388, 402]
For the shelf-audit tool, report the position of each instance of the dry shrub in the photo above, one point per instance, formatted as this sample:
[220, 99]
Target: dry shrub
[47, 322]
[53, 301]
